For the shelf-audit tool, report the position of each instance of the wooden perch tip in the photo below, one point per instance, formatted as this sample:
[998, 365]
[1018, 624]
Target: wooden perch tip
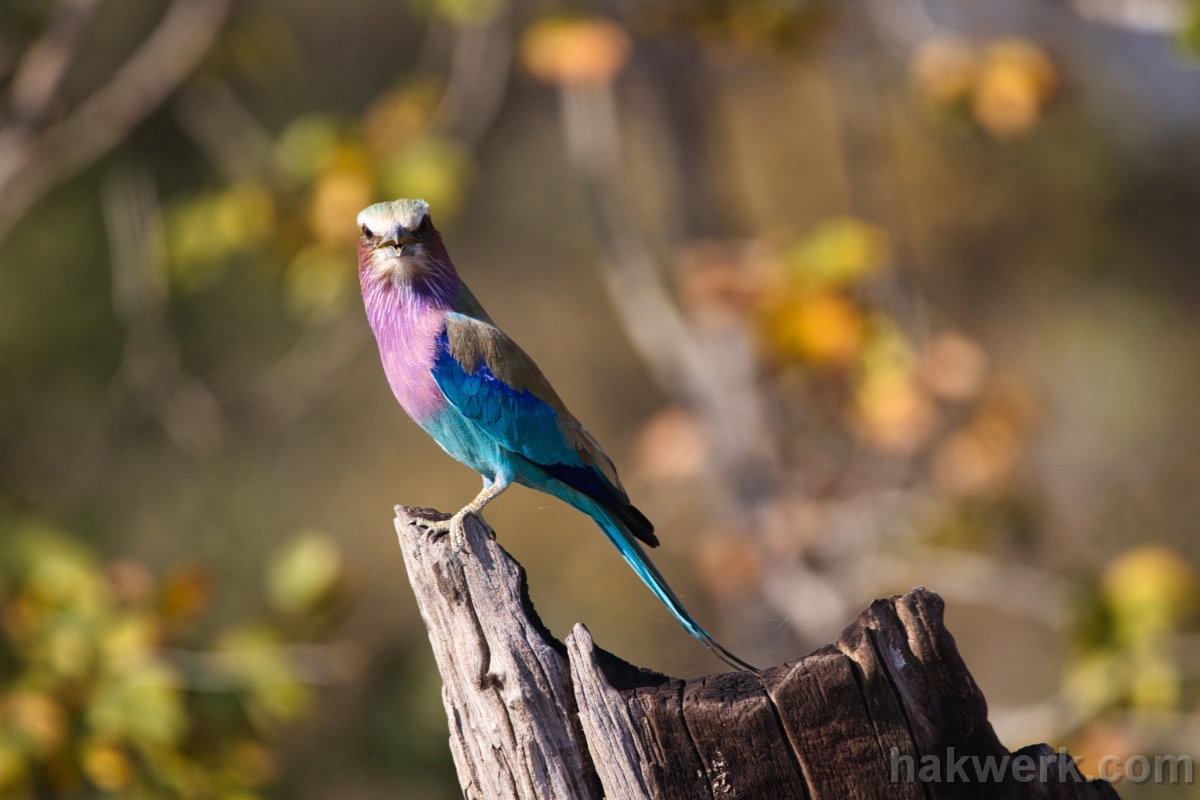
[887, 711]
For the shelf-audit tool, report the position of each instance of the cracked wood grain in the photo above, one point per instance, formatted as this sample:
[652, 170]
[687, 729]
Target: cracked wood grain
[673, 769]
[827, 712]
[506, 681]
[609, 724]
[533, 718]
[754, 762]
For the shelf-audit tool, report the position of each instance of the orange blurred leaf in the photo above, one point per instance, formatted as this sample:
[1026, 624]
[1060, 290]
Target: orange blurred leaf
[953, 366]
[1015, 82]
[107, 767]
[822, 328]
[38, 717]
[575, 52]
[672, 446]
[185, 593]
[339, 194]
[727, 563]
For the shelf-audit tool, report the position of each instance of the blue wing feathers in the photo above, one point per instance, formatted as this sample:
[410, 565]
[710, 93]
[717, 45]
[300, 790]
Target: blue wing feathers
[517, 420]
[523, 423]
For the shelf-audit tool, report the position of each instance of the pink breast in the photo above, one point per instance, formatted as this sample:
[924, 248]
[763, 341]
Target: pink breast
[407, 334]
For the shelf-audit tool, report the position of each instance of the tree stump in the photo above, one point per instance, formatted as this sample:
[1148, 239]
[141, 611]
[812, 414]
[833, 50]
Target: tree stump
[888, 711]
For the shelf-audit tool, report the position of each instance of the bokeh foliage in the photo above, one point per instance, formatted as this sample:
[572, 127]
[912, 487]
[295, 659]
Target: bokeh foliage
[111, 682]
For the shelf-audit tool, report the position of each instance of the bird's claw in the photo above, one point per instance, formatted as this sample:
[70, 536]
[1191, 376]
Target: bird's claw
[454, 527]
[434, 528]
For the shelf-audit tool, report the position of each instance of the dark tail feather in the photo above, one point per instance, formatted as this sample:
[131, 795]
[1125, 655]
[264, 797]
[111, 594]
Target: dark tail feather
[633, 554]
[636, 522]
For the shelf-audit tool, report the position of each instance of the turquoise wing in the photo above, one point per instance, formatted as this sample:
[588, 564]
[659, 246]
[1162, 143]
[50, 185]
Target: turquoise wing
[494, 384]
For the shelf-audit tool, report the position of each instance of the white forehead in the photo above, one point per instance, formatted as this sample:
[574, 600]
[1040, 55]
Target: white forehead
[382, 216]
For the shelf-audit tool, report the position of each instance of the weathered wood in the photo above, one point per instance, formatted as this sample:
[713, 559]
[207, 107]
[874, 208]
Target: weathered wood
[506, 682]
[732, 723]
[618, 753]
[829, 712]
[859, 719]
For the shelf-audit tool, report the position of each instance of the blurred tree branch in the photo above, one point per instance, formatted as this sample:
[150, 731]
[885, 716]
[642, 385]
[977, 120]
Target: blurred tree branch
[478, 78]
[1149, 16]
[972, 579]
[227, 132]
[42, 68]
[150, 368]
[37, 155]
[713, 371]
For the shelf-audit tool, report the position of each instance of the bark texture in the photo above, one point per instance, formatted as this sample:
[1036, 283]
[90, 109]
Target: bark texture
[532, 718]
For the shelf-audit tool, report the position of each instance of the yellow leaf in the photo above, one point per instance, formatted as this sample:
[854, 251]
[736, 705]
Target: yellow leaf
[467, 12]
[256, 659]
[106, 767]
[1092, 684]
[144, 706]
[316, 282]
[433, 168]
[14, 763]
[68, 648]
[303, 571]
[129, 644]
[339, 194]
[204, 232]
[1156, 681]
[308, 145]
[838, 251]
[1149, 589]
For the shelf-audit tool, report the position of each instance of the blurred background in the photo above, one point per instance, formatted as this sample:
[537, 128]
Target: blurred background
[858, 294]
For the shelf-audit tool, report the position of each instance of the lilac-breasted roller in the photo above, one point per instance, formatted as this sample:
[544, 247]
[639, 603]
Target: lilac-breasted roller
[481, 398]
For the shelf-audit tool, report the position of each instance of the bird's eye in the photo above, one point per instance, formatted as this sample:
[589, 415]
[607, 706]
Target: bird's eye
[424, 226]
[367, 232]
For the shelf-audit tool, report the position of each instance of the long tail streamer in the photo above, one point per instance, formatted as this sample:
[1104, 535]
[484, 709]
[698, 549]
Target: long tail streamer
[636, 557]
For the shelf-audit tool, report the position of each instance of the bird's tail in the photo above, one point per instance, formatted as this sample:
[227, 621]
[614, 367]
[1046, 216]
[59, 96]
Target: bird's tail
[636, 557]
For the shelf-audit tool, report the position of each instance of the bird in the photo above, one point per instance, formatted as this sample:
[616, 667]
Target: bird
[483, 399]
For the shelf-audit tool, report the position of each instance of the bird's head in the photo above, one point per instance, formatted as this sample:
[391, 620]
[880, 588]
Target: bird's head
[398, 241]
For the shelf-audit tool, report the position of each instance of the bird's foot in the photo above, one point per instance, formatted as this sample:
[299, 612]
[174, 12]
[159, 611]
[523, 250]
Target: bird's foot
[434, 528]
[454, 527]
